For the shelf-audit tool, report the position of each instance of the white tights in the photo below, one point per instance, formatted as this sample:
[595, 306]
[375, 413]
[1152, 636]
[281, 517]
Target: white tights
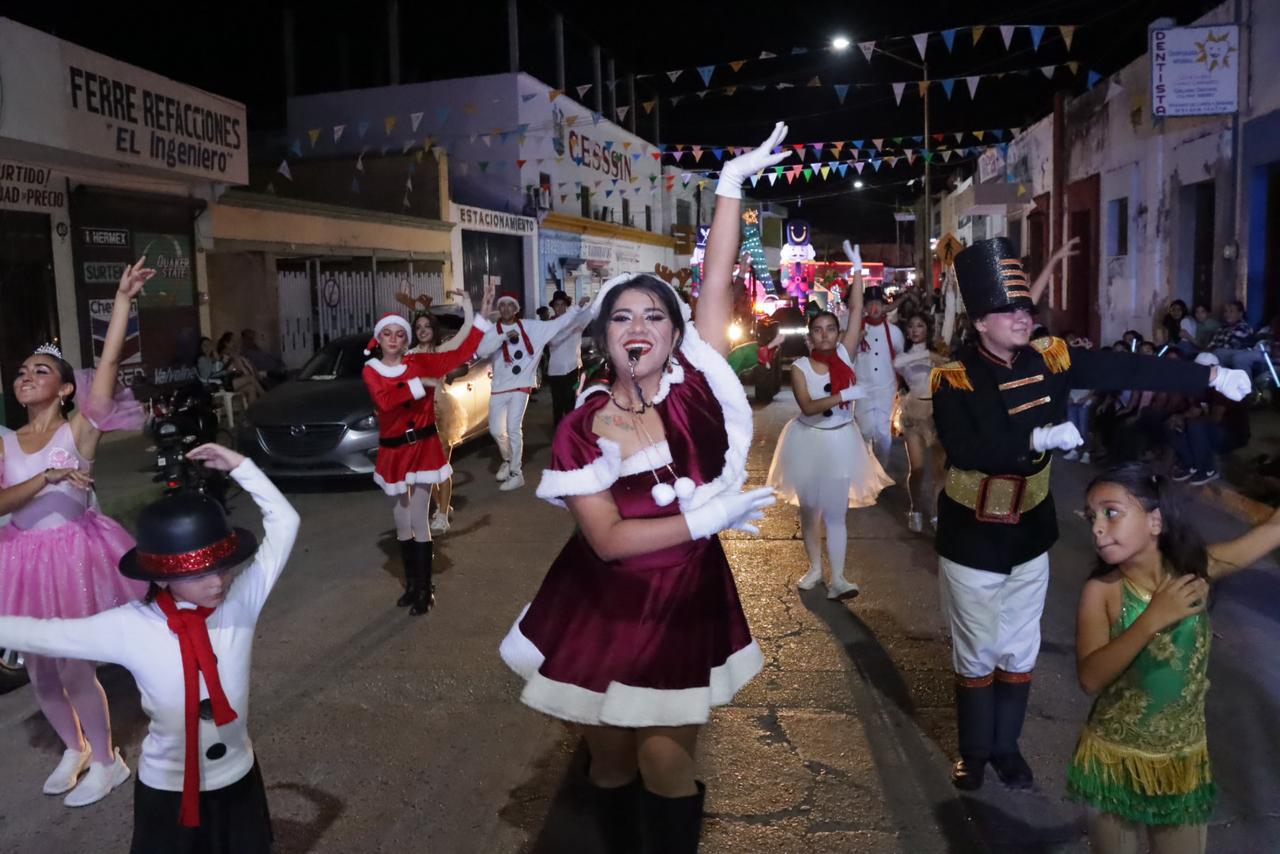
[811, 523]
[410, 511]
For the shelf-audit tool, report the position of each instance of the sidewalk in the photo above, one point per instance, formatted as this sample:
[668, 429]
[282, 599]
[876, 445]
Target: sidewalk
[1248, 488]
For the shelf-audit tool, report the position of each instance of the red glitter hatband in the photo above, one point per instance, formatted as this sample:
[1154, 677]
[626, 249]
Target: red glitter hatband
[189, 561]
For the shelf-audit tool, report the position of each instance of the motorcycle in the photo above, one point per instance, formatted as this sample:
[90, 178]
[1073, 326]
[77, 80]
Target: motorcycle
[181, 420]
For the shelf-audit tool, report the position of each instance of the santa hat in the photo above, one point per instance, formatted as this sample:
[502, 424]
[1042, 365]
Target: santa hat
[388, 319]
[509, 298]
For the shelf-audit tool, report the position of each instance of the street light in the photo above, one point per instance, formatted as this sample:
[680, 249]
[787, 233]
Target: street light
[840, 43]
[857, 185]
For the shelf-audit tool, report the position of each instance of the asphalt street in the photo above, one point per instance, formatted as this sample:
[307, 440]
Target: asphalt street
[378, 732]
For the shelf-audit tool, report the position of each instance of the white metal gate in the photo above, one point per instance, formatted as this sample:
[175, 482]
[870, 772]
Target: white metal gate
[297, 322]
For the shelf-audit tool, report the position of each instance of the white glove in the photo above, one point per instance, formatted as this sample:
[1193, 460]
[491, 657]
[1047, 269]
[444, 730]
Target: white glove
[1231, 383]
[736, 510]
[854, 254]
[737, 170]
[853, 392]
[1062, 437]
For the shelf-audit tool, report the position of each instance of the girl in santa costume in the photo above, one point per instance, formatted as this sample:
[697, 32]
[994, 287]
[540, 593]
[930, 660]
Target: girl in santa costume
[821, 462]
[411, 458]
[58, 553]
[637, 631]
[450, 420]
[915, 365]
[189, 646]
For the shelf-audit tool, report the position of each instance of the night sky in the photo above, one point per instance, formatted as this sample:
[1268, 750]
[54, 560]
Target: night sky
[234, 49]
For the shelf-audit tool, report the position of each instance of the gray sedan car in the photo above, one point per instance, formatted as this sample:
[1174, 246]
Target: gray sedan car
[322, 424]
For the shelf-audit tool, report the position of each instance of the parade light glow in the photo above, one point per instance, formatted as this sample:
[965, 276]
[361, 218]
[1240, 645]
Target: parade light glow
[857, 185]
[840, 43]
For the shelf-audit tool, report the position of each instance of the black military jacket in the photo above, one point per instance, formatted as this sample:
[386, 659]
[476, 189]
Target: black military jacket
[985, 411]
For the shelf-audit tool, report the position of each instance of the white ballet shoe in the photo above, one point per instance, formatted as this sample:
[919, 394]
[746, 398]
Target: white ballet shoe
[841, 589]
[63, 779]
[811, 579]
[98, 783]
[514, 482]
[439, 522]
[504, 471]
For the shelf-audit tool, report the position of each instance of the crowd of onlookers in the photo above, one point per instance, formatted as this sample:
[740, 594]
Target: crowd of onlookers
[237, 364]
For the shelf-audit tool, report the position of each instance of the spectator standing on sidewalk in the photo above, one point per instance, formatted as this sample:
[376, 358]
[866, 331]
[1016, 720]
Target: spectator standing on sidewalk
[1000, 411]
[565, 361]
[1216, 426]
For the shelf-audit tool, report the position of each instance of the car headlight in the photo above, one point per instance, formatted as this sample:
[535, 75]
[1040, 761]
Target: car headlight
[369, 422]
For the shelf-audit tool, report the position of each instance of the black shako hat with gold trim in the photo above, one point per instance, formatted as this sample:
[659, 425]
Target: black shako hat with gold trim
[991, 278]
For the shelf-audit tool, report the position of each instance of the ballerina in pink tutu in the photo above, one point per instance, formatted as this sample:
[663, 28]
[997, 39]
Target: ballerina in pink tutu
[58, 554]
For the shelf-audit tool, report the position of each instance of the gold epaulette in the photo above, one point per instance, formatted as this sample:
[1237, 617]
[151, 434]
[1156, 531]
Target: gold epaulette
[1057, 356]
[956, 375]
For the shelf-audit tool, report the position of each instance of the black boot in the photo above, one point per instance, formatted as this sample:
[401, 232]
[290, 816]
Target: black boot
[407, 555]
[1012, 690]
[673, 825]
[617, 815]
[426, 592]
[975, 720]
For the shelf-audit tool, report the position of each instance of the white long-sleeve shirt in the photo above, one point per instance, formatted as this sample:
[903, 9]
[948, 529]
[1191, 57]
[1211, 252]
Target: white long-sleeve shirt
[540, 332]
[566, 347]
[137, 637]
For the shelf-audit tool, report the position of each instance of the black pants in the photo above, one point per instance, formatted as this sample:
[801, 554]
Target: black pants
[563, 388]
[233, 820]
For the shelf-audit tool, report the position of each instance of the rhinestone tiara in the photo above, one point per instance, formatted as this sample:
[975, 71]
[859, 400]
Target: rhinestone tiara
[48, 349]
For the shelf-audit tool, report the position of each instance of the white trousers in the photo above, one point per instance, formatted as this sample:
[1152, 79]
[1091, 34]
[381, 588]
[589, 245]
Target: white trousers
[506, 425]
[874, 414]
[995, 618]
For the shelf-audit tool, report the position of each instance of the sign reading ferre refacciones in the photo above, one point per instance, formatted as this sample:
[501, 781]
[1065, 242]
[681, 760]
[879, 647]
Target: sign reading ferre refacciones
[63, 97]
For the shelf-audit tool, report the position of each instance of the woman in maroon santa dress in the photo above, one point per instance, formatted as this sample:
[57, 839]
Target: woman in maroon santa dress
[637, 630]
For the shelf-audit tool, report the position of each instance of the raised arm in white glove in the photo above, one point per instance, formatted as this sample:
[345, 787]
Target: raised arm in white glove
[853, 392]
[854, 254]
[1231, 383]
[737, 170]
[1061, 437]
[735, 510]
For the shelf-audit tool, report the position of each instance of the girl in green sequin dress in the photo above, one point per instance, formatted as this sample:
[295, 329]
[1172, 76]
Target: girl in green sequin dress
[1142, 646]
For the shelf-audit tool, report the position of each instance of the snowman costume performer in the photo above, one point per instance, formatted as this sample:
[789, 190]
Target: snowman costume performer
[881, 342]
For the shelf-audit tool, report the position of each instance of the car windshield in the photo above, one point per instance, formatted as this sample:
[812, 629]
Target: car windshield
[341, 359]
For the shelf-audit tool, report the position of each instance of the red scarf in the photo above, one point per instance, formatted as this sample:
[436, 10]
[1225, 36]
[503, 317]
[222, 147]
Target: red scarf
[506, 354]
[888, 335]
[197, 659]
[842, 376]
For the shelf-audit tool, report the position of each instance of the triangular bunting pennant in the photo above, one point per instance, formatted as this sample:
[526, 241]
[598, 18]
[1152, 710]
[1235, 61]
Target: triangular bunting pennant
[928, 156]
[718, 152]
[911, 156]
[922, 41]
[924, 87]
[755, 179]
[414, 120]
[283, 169]
[897, 92]
[947, 86]
[570, 120]
[878, 143]
[973, 84]
[583, 90]
[892, 161]
[875, 164]
[622, 113]
[773, 178]
[676, 99]
[296, 148]
[867, 49]
[313, 135]
[977, 33]
[842, 89]
[949, 38]
[978, 134]
[825, 171]
[1006, 33]
[814, 82]
[791, 176]
[552, 94]
[442, 113]
[697, 153]
[799, 50]
[408, 144]
[842, 168]
[807, 173]
[1092, 79]
[362, 129]
[684, 178]
[729, 90]
[520, 163]
[1074, 66]
[858, 164]
[959, 135]
[672, 75]
[764, 54]
[946, 155]
[595, 117]
[737, 64]
[1037, 33]
[390, 124]
[1068, 33]
[705, 72]
[527, 98]
[648, 106]
[338, 131]
[1047, 70]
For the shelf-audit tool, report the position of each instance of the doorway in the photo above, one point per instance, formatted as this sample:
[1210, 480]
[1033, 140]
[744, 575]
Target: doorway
[28, 295]
[497, 257]
[1081, 311]
[1202, 241]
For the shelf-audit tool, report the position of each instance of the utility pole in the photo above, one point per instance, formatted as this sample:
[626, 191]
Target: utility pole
[611, 90]
[557, 24]
[393, 42]
[596, 78]
[289, 56]
[513, 36]
[631, 100]
[928, 191]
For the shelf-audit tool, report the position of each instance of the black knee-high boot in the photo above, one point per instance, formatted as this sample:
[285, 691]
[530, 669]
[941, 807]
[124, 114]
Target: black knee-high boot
[673, 825]
[617, 815]
[975, 722]
[408, 554]
[1012, 691]
[426, 593]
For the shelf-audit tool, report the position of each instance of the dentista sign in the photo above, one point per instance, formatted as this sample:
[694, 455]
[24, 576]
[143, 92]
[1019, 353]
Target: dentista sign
[61, 96]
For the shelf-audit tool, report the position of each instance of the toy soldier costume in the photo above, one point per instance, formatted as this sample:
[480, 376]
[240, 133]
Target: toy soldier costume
[999, 420]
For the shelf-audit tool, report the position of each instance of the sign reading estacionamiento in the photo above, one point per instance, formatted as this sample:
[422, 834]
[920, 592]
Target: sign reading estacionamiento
[58, 95]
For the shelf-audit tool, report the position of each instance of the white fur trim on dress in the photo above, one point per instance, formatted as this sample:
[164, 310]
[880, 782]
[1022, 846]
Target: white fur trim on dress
[417, 389]
[386, 370]
[595, 477]
[414, 478]
[626, 705]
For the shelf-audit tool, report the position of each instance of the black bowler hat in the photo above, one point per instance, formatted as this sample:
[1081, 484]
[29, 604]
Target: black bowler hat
[991, 279]
[184, 535]
[873, 292]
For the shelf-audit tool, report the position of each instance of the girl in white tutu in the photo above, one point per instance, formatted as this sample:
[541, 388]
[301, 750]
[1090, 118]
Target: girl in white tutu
[821, 462]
